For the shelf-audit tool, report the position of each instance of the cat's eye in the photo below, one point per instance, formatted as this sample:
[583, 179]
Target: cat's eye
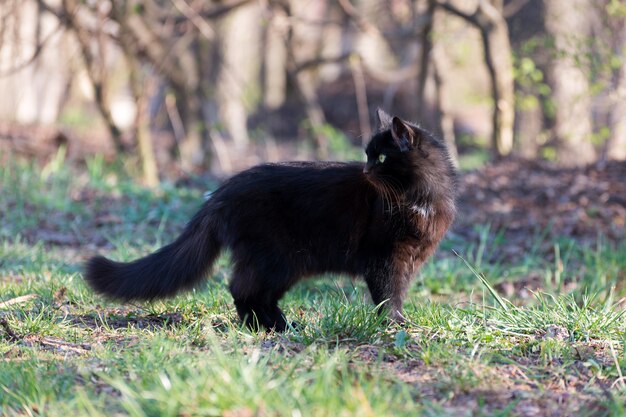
[382, 157]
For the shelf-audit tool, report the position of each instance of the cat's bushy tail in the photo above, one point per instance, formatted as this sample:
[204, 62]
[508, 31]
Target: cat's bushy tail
[173, 268]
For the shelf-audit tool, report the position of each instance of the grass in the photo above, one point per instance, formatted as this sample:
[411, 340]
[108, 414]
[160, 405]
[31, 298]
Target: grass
[468, 347]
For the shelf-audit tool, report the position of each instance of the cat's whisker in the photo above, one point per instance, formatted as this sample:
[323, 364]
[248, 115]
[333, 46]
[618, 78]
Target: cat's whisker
[385, 198]
[388, 197]
[384, 194]
[393, 182]
[392, 190]
[391, 194]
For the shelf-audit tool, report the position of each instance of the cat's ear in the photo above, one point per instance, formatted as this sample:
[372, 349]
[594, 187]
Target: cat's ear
[384, 120]
[403, 135]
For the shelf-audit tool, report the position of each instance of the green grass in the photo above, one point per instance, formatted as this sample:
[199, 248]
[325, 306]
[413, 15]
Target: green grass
[467, 348]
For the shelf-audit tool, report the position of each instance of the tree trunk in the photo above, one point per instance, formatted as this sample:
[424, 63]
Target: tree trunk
[494, 32]
[142, 91]
[360, 92]
[425, 57]
[529, 122]
[239, 83]
[95, 65]
[304, 45]
[34, 63]
[434, 54]
[617, 140]
[569, 83]
[275, 61]
[193, 156]
[193, 152]
[446, 122]
[498, 57]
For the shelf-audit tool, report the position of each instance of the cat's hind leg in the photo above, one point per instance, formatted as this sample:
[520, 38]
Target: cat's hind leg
[256, 292]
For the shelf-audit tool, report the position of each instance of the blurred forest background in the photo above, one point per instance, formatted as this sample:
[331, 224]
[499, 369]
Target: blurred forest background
[184, 86]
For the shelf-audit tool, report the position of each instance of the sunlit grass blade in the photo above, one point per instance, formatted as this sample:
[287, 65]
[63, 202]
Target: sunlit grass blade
[502, 302]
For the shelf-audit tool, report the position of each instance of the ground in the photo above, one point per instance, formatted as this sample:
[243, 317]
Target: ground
[528, 197]
[519, 313]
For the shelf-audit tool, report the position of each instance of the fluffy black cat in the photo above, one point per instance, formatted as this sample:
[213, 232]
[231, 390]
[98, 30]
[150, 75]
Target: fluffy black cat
[283, 222]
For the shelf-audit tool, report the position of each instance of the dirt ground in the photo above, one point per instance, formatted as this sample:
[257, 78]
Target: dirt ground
[524, 199]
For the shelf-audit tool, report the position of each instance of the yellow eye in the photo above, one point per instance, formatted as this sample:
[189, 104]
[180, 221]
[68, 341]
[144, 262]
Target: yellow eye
[382, 157]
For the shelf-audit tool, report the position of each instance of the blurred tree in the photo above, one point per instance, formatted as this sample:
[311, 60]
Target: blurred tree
[617, 124]
[304, 46]
[426, 45]
[34, 63]
[569, 81]
[155, 33]
[442, 97]
[174, 39]
[94, 45]
[526, 28]
[204, 72]
[489, 20]
[143, 86]
[433, 56]
[239, 84]
[274, 65]
[612, 28]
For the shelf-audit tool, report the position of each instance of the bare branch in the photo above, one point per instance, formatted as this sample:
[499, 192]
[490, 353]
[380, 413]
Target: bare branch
[392, 76]
[195, 18]
[427, 46]
[59, 13]
[449, 7]
[496, 47]
[359, 20]
[224, 9]
[95, 71]
[146, 43]
[311, 63]
[215, 12]
[38, 49]
[513, 7]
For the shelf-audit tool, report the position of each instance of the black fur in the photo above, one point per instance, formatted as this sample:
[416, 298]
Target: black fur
[283, 222]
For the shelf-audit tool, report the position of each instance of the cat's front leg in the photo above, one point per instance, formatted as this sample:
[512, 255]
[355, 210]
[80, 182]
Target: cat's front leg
[399, 285]
[388, 283]
[407, 258]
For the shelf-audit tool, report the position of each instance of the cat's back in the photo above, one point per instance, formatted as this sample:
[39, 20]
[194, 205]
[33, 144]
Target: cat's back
[309, 208]
[303, 198]
[298, 177]
[302, 171]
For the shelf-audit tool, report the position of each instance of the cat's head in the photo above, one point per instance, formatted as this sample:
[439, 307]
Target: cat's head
[402, 155]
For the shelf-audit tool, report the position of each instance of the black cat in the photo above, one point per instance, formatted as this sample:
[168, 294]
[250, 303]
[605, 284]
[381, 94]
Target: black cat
[284, 222]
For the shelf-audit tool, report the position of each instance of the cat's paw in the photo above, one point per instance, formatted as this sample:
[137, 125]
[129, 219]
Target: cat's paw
[396, 316]
[296, 326]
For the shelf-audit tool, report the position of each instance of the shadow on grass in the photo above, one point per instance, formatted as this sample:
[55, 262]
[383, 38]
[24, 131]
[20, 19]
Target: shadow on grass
[115, 321]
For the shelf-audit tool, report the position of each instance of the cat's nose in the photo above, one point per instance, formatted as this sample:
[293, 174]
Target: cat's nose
[366, 170]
